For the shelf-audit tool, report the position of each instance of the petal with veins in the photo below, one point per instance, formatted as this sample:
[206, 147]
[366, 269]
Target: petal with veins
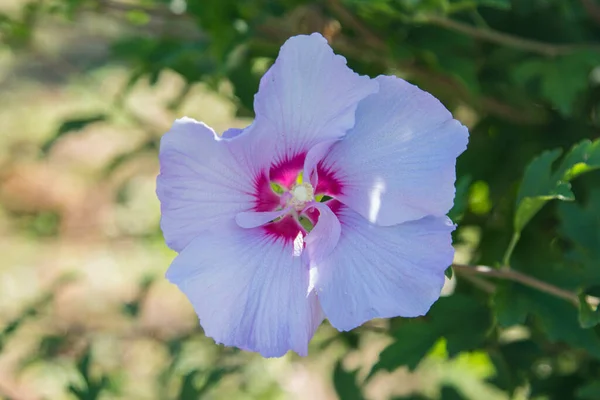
[383, 271]
[398, 162]
[307, 96]
[249, 290]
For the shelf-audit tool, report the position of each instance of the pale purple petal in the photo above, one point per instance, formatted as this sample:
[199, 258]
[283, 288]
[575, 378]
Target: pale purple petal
[249, 290]
[308, 95]
[325, 235]
[398, 162]
[231, 133]
[383, 272]
[253, 219]
[313, 157]
[200, 184]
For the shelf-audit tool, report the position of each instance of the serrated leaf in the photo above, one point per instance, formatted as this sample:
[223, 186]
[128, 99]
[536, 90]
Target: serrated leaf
[540, 184]
[579, 224]
[583, 157]
[562, 79]
[538, 187]
[529, 206]
[345, 384]
[463, 322]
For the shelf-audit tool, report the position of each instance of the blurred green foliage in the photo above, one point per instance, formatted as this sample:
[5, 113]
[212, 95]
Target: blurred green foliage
[524, 75]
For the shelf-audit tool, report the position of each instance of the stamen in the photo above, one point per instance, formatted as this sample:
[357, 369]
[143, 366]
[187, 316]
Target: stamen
[302, 194]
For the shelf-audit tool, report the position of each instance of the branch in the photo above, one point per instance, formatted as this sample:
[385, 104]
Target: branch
[481, 283]
[446, 83]
[347, 18]
[506, 39]
[374, 42]
[526, 280]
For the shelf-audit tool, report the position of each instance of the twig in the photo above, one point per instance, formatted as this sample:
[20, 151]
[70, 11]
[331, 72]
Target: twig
[506, 39]
[516, 276]
[448, 84]
[479, 282]
[372, 41]
[347, 18]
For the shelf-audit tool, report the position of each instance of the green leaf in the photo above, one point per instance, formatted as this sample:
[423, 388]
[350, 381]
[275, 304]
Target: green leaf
[137, 17]
[188, 388]
[510, 310]
[499, 4]
[132, 308]
[479, 198]
[345, 384]
[583, 157]
[450, 393]
[449, 272]
[70, 126]
[590, 391]
[460, 198]
[92, 387]
[512, 361]
[214, 377]
[562, 79]
[412, 341]
[579, 225]
[540, 184]
[463, 322]
[555, 317]
[588, 318]
[32, 310]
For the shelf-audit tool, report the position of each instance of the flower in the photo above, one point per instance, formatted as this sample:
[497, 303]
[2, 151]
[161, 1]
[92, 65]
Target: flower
[331, 203]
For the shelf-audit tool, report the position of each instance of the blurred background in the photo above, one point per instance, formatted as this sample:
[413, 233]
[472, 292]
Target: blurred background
[87, 88]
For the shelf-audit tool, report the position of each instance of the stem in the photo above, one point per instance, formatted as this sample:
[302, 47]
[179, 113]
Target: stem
[516, 276]
[511, 247]
[477, 281]
[490, 35]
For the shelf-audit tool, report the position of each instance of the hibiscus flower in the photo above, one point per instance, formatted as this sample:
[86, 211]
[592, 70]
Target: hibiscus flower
[331, 204]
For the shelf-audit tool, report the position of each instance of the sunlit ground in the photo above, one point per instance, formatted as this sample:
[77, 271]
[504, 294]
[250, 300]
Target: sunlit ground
[80, 223]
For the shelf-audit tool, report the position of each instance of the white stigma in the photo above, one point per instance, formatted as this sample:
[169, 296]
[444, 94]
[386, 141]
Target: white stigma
[302, 194]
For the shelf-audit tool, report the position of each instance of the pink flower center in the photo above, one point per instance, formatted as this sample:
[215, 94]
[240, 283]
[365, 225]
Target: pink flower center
[284, 186]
